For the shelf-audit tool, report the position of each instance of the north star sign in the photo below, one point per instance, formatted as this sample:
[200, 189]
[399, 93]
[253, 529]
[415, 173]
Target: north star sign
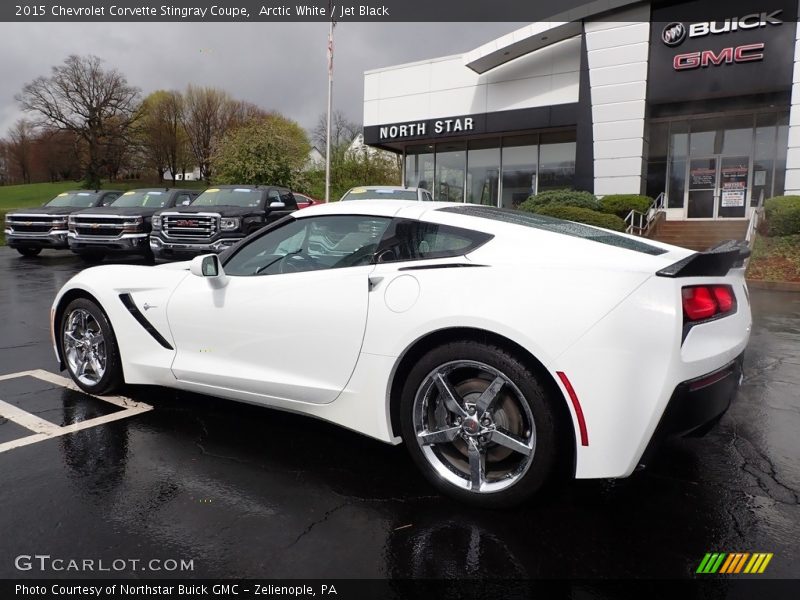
[424, 128]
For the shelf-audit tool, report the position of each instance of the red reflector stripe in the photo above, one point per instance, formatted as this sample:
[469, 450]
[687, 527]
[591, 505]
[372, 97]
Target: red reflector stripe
[576, 405]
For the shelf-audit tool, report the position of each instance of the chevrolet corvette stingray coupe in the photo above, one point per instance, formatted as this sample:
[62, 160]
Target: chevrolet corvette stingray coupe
[504, 348]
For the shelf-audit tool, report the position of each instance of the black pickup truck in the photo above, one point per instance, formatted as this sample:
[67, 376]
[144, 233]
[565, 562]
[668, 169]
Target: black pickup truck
[123, 227]
[218, 219]
[30, 230]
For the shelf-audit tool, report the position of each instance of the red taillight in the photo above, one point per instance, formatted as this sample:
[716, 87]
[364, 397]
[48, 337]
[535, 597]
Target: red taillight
[706, 301]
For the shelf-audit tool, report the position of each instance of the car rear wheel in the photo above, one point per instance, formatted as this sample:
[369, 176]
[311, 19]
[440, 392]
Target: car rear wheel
[478, 424]
[29, 251]
[89, 348]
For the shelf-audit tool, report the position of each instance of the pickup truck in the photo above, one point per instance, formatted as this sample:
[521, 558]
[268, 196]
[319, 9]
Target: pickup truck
[124, 226]
[30, 230]
[217, 219]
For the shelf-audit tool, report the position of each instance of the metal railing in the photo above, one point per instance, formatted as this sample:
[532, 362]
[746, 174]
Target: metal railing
[639, 223]
[755, 216]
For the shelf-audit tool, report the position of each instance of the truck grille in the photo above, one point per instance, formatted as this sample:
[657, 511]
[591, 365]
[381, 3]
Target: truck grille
[32, 223]
[92, 226]
[193, 227]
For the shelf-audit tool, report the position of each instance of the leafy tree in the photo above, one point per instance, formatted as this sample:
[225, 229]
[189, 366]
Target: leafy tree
[96, 104]
[269, 150]
[21, 138]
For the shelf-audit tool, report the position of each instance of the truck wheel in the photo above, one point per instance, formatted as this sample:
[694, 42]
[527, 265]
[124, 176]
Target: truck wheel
[29, 251]
[92, 258]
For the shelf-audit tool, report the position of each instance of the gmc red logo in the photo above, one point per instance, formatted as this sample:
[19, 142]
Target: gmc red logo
[185, 223]
[726, 56]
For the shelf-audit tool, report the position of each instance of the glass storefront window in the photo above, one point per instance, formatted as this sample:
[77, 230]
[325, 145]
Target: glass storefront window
[451, 160]
[556, 166]
[763, 158]
[780, 156]
[738, 136]
[658, 142]
[419, 167]
[520, 160]
[483, 171]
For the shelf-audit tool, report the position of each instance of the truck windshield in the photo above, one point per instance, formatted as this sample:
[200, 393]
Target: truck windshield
[380, 194]
[81, 199]
[228, 197]
[147, 199]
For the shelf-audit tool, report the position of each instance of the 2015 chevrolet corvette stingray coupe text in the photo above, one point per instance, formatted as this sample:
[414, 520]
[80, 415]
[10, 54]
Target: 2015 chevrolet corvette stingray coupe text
[501, 347]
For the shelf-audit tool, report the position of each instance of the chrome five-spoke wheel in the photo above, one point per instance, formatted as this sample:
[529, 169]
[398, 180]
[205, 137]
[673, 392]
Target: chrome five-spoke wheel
[84, 347]
[474, 426]
[88, 347]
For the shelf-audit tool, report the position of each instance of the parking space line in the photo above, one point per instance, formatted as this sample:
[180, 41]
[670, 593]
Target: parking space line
[45, 430]
[26, 419]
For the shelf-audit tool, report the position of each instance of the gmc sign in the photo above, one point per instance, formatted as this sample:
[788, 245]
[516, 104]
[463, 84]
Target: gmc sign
[726, 56]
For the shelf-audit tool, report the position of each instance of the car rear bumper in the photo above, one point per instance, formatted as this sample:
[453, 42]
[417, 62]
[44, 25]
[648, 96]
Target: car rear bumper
[54, 239]
[170, 249]
[697, 405]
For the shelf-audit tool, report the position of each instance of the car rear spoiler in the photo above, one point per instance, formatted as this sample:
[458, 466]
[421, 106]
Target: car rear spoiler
[714, 262]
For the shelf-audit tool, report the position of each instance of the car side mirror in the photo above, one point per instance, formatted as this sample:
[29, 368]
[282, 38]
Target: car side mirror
[277, 204]
[209, 267]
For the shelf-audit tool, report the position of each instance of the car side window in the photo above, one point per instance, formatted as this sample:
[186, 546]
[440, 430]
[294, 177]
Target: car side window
[312, 244]
[406, 239]
[108, 199]
[183, 199]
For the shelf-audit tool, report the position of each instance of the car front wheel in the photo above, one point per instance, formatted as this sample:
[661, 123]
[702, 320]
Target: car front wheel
[479, 424]
[89, 348]
[29, 251]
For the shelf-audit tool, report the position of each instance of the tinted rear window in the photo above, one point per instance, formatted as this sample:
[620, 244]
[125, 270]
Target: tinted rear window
[556, 226]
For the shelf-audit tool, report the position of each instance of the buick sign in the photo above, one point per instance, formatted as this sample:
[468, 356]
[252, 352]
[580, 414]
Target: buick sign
[673, 34]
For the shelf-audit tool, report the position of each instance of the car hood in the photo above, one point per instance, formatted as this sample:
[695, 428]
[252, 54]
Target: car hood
[123, 211]
[225, 210]
[46, 210]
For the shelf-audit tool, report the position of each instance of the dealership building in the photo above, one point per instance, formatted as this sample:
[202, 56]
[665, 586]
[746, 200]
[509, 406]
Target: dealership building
[697, 100]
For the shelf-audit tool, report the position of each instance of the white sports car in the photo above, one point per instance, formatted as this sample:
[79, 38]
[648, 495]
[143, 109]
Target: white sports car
[502, 347]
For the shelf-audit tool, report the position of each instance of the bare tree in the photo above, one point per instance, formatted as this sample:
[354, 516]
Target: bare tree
[96, 104]
[342, 132]
[21, 138]
[160, 132]
[208, 114]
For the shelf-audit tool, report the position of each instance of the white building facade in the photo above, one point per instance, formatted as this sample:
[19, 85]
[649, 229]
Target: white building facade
[697, 100]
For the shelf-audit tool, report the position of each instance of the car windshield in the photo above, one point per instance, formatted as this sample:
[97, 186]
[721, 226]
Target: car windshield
[380, 194]
[80, 199]
[148, 199]
[228, 197]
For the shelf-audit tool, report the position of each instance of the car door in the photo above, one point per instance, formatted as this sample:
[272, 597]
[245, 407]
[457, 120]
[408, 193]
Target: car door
[290, 320]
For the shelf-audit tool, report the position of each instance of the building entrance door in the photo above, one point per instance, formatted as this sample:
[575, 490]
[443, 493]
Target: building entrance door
[717, 187]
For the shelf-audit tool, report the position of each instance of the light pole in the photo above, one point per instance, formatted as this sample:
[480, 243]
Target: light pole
[330, 105]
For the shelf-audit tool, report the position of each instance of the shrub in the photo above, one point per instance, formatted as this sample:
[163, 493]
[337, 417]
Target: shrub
[783, 215]
[582, 215]
[622, 204]
[561, 198]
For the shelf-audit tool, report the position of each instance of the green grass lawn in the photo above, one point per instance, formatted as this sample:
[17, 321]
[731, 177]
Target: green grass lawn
[775, 259]
[36, 194]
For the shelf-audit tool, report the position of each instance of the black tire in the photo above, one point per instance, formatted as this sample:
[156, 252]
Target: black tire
[92, 258]
[112, 378]
[547, 430]
[149, 257]
[27, 252]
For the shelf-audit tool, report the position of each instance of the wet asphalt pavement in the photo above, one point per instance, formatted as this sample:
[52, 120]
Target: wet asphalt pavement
[250, 492]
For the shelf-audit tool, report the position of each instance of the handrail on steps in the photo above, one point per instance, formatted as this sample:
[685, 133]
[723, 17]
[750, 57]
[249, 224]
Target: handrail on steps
[639, 223]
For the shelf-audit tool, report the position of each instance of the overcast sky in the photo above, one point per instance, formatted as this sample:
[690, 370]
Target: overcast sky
[280, 66]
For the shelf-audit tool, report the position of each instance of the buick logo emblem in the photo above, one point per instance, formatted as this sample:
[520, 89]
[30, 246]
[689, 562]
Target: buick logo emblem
[673, 34]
